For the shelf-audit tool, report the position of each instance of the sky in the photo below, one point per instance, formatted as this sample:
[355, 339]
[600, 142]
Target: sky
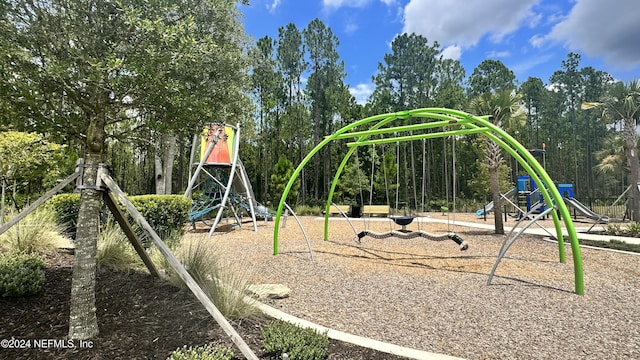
[531, 37]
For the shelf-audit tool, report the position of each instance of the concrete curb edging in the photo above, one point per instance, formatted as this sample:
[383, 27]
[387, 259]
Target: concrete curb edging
[354, 339]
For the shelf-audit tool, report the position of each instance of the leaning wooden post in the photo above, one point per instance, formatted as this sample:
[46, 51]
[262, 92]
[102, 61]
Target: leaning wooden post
[177, 266]
[39, 202]
[131, 235]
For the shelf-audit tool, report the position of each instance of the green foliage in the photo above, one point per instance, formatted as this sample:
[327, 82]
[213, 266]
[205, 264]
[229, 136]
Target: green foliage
[25, 155]
[21, 274]
[206, 352]
[632, 229]
[65, 207]
[36, 233]
[282, 172]
[281, 337]
[114, 250]
[479, 185]
[165, 213]
[223, 282]
[306, 210]
[353, 180]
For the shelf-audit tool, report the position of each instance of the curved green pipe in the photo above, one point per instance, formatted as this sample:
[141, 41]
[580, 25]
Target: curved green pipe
[506, 141]
[304, 161]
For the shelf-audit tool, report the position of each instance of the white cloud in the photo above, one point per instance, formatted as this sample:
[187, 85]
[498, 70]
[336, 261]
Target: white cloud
[452, 52]
[605, 29]
[334, 4]
[464, 22]
[361, 92]
[497, 54]
[351, 28]
[273, 6]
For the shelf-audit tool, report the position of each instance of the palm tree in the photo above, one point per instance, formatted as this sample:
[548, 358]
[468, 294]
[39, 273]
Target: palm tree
[503, 106]
[622, 103]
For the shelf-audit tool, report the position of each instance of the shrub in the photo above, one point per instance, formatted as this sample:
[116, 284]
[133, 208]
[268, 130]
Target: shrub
[633, 229]
[37, 233]
[613, 229]
[21, 274]
[165, 213]
[206, 352]
[224, 283]
[65, 207]
[281, 337]
[306, 210]
[114, 250]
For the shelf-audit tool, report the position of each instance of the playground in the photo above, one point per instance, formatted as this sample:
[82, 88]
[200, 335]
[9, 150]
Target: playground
[433, 297]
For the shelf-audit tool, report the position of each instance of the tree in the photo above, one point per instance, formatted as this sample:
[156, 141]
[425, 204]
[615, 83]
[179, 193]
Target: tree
[23, 156]
[533, 92]
[178, 64]
[291, 63]
[622, 103]
[503, 106]
[491, 76]
[282, 172]
[324, 93]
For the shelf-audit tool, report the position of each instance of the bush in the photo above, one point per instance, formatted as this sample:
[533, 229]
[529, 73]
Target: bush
[207, 352]
[165, 213]
[306, 210]
[37, 233]
[21, 274]
[65, 207]
[281, 337]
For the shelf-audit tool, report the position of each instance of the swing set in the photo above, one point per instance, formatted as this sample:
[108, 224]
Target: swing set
[441, 122]
[402, 220]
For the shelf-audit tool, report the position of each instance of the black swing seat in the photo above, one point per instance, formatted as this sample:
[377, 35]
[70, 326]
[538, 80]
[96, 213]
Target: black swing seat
[402, 220]
[414, 234]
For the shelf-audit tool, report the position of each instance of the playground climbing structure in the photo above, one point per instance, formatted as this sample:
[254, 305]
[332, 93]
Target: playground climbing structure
[220, 181]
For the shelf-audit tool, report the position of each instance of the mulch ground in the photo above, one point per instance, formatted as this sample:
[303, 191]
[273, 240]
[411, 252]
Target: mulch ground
[139, 316]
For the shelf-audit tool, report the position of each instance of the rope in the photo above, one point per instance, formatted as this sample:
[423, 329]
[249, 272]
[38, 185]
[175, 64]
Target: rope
[412, 235]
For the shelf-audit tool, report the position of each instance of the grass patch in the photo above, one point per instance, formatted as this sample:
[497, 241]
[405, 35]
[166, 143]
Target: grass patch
[612, 244]
[37, 233]
[225, 283]
[114, 250]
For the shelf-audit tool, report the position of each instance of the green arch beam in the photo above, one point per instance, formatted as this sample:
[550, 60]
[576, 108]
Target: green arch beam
[467, 124]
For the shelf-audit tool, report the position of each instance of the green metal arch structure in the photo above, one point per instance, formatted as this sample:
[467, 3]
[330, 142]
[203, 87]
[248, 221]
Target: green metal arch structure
[452, 123]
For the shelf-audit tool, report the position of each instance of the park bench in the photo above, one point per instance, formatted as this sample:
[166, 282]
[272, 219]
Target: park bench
[382, 210]
[334, 209]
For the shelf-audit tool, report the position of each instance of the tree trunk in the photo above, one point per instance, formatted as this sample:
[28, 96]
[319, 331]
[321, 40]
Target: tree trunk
[2, 199]
[633, 175]
[494, 160]
[163, 164]
[83, 323]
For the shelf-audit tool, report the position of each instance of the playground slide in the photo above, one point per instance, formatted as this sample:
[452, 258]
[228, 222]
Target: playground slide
[489, 206]
[585, 211]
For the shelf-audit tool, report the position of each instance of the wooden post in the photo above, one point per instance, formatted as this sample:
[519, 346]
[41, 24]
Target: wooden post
[180, 270]
[38, 202]
[128, 230]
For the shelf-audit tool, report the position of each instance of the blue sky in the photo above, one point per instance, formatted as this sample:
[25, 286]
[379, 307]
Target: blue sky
[531, 37]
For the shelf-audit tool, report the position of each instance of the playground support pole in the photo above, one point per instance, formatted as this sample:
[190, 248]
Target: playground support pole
[194, 177]
[225, 197]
